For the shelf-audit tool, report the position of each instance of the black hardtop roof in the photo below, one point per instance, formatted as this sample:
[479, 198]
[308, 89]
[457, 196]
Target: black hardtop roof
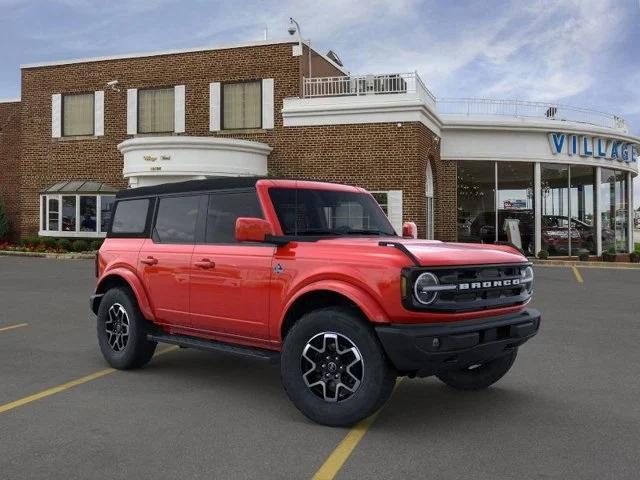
[209, 184]
[218, 183]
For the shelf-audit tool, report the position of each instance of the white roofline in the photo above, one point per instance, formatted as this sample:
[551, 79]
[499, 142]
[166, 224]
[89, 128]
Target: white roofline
[10, 100]
[257, 43]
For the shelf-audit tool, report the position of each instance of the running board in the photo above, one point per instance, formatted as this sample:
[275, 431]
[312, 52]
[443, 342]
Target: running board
[215, 346]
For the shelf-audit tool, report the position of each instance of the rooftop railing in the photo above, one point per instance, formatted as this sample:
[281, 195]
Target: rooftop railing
[357, 85]
[525, 109]
[403, 83]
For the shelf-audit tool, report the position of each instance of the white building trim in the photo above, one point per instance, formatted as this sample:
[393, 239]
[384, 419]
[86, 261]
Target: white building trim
[179, 109]
[56, 115]
[157, 53]
[132, 111]
[215, 111]
[98, 113]
[396, 108]
[10, 100]
[152, 160]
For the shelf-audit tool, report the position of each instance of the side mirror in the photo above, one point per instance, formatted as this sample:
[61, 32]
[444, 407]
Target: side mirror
[252, 229]
[409, 230]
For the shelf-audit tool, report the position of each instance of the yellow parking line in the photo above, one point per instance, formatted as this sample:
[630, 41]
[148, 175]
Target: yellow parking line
[576, 272]
[339, 456]
[11, 327]
[66, 386]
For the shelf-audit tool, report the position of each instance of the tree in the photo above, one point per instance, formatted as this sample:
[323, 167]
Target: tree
[4, 221]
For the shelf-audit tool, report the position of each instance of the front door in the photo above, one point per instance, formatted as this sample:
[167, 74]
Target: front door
[164, 260]
[229, 293]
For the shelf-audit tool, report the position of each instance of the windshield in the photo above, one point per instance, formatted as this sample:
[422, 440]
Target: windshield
[327, 212]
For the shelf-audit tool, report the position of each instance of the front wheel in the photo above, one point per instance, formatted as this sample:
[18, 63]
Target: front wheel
[480, 376]
[334, 369]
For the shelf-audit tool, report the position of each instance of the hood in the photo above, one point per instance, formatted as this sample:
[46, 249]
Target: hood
[437, 253]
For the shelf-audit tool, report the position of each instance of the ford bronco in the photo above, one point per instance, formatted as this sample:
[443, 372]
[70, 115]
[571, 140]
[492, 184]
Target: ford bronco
[313, 276]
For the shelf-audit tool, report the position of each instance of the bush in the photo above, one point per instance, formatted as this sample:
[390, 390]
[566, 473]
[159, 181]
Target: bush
[583, 256]
[4, 221]
[543, 254]
[64, 244]
[30, 241]
[79, 246]
[634, 257]
[609, 255]
[95, 244]
[49, 242]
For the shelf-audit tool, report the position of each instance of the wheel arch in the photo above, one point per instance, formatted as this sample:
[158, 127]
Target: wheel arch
[124, 278]
[330, 294]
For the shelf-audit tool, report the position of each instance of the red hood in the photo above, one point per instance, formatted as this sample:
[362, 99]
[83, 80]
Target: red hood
[434, 252]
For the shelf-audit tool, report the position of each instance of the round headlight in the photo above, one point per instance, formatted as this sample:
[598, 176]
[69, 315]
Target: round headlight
[527, 278]
[423, 288]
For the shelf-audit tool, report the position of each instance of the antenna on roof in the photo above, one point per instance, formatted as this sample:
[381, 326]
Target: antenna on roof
[266, 33]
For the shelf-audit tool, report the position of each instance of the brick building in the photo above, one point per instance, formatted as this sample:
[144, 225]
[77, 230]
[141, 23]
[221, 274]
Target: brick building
[83, 129]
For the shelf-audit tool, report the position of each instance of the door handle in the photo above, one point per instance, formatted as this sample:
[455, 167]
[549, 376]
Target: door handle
[149, 260]
[205, 263]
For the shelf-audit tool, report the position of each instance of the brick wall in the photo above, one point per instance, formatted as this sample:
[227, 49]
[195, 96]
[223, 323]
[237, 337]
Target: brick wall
[10, 161]
[374, 156]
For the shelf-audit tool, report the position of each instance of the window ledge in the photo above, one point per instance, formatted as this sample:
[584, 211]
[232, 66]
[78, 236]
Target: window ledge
[76, 138]
[241, 131]
[61, 234]
[159, 134]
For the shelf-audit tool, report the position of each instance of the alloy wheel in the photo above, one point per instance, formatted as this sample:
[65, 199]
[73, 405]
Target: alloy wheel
[332, 366]
[117, 327]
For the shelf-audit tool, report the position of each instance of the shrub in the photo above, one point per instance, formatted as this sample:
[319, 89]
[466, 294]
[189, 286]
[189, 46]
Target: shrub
[30, 241]
[4, 221]
[609, 255]
[583, 256]
[64, 244]
[79, 246]
[95, 244]
[634, 257]
[543, 254]
[49, 242]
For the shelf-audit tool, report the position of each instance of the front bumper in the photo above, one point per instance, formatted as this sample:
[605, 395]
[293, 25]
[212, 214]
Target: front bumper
[428, 349]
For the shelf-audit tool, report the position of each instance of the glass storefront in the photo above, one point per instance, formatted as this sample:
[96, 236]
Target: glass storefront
[497, 203]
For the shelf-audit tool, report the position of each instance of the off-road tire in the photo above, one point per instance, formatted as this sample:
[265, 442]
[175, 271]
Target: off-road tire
[377, 379]
[137, 350]
[480, 377]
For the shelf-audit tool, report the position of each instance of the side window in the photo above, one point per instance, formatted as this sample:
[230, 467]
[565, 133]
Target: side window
[176, 219]
[130, 216]
[224, 210]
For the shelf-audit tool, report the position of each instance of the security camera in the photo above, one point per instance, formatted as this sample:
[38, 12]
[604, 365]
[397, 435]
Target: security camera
[291, 29]
[112, 85]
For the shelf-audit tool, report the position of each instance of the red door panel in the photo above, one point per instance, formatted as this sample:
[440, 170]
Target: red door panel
[230, 289]
[164, 269]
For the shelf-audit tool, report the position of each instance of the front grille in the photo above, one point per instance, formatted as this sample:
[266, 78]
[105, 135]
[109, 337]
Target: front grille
[473, 287]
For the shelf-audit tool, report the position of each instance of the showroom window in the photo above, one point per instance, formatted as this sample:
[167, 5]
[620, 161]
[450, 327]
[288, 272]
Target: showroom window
[476, 201]
[78, 115]
[242, 105]
[614, 210]
[156, 110]
[76, 209]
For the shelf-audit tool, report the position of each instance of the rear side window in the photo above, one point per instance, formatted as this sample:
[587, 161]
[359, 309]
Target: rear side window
[176, 219]
[224, 210]
[130, 216]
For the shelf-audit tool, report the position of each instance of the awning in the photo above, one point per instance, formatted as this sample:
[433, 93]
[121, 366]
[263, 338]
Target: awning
[80, 186]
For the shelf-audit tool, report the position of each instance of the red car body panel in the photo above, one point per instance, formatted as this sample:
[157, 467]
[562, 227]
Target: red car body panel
[239, 298]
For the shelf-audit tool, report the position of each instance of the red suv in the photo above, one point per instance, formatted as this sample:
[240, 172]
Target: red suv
[311, 275]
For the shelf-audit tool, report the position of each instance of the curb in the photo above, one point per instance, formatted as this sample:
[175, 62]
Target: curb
[55, 256]
[577, 263]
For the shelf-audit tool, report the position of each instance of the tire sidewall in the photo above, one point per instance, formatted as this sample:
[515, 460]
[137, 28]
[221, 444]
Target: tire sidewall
[377, 380]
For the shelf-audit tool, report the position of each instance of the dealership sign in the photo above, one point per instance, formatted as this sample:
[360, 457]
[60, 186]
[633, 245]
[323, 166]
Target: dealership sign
[593, 147]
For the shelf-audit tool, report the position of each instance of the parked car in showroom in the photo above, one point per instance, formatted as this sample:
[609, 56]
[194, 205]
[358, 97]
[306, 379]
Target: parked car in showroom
[312, 275]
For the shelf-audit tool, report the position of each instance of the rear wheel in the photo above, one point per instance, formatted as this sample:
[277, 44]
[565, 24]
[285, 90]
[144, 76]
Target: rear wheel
[477, 377]
[122, 331]
[334, 369]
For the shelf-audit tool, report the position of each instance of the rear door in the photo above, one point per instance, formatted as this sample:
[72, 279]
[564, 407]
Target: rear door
[164, 259]
[230, 280]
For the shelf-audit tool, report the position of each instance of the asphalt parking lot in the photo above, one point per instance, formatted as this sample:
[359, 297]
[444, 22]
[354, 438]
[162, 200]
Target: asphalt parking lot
[568, 409]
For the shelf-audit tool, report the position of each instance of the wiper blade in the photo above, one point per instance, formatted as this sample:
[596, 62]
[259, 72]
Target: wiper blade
[364, 232]
[317, 231]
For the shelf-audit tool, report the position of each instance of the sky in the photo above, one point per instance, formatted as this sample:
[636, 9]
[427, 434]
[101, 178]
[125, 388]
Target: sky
[577, 52]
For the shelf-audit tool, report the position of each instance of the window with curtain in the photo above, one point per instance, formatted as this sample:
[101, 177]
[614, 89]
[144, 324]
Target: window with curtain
[156, 108]
[77, 114]
[242, 105]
